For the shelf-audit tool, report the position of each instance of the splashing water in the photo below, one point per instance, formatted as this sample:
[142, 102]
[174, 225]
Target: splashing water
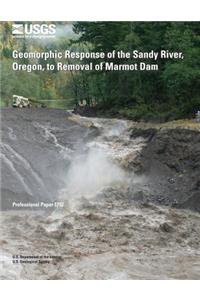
[101, 233]
[89, 174]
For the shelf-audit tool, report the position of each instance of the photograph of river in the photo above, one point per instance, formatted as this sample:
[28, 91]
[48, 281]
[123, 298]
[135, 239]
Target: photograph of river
[100, 170]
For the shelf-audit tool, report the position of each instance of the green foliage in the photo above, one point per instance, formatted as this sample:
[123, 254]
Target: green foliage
[45, 85]
[18, 82]
[170, 93]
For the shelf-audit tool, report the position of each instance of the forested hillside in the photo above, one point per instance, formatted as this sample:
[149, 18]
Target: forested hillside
[171, 92]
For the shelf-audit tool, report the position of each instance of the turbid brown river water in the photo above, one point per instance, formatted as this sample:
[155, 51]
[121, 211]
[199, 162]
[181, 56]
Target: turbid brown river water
[77, 204]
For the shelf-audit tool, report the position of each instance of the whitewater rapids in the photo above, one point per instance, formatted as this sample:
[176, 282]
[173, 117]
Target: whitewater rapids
[100, 230]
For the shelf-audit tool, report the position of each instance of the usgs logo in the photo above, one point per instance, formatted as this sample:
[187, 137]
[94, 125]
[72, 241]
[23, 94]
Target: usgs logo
[36, 30]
